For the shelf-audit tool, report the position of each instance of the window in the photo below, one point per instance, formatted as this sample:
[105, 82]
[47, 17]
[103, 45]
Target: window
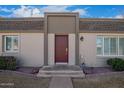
[106, 46]
[11, 43]
[121, 46]
[113, 46]
[110, 45]
[99, 45]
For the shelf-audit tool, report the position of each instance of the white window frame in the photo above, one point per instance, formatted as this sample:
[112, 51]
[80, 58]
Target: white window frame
[12, 49]
[114, 36]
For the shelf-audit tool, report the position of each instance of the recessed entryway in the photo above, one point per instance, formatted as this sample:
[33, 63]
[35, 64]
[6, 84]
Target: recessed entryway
[61, 48]
[61, 27]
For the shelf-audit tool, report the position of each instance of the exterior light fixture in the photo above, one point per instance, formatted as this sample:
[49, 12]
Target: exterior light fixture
[81, 38]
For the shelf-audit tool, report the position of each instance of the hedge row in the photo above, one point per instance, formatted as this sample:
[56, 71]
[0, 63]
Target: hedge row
[7, 62]
[116, 63]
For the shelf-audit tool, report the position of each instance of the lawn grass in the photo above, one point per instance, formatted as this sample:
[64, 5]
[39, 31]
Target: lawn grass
[20, 81]
[115, 81]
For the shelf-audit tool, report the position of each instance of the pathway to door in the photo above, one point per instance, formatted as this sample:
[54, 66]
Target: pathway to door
[61, 82]
[61, 75]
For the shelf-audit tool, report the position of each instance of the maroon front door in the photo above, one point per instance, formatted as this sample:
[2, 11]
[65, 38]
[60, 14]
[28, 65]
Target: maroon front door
[61, 48]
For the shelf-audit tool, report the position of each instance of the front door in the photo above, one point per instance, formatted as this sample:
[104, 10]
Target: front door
[61, 48]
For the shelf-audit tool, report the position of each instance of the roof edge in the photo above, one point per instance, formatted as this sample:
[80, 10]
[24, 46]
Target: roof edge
[100, 19]
[22, 19]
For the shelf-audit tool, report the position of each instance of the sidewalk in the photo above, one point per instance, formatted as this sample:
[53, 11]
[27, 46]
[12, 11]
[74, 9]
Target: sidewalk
[61, 82]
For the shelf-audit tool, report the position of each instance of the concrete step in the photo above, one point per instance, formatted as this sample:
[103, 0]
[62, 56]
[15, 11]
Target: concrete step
[61, 67]
[60, 73]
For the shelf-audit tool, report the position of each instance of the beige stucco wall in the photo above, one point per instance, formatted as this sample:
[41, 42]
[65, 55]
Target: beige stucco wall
[51, 49]
[71, 49]
[31, 48]
[87, 49]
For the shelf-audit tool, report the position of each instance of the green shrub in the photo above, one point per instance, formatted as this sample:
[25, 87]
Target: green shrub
[11, 66]
[2, 63]
[109, 61]
[113, 60]
[8, 62]
[116, 63]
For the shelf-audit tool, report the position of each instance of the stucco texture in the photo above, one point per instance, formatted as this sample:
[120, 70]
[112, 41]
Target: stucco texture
[31, 49]
[87, 50]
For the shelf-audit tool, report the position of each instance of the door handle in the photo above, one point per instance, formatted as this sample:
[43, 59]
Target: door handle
[66, 49]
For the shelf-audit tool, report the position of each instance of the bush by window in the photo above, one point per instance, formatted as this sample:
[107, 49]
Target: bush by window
[116, 63]
[7, 62]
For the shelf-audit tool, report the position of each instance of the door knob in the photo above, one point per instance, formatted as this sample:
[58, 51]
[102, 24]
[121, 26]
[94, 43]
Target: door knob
[66, 49]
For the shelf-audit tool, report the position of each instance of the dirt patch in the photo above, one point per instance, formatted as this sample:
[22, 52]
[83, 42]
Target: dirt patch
[28, 70]
[97, 70]
[16, 80]
[115, 80]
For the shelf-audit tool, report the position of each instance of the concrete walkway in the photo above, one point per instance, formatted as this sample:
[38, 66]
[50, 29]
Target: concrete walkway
[61, 82]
